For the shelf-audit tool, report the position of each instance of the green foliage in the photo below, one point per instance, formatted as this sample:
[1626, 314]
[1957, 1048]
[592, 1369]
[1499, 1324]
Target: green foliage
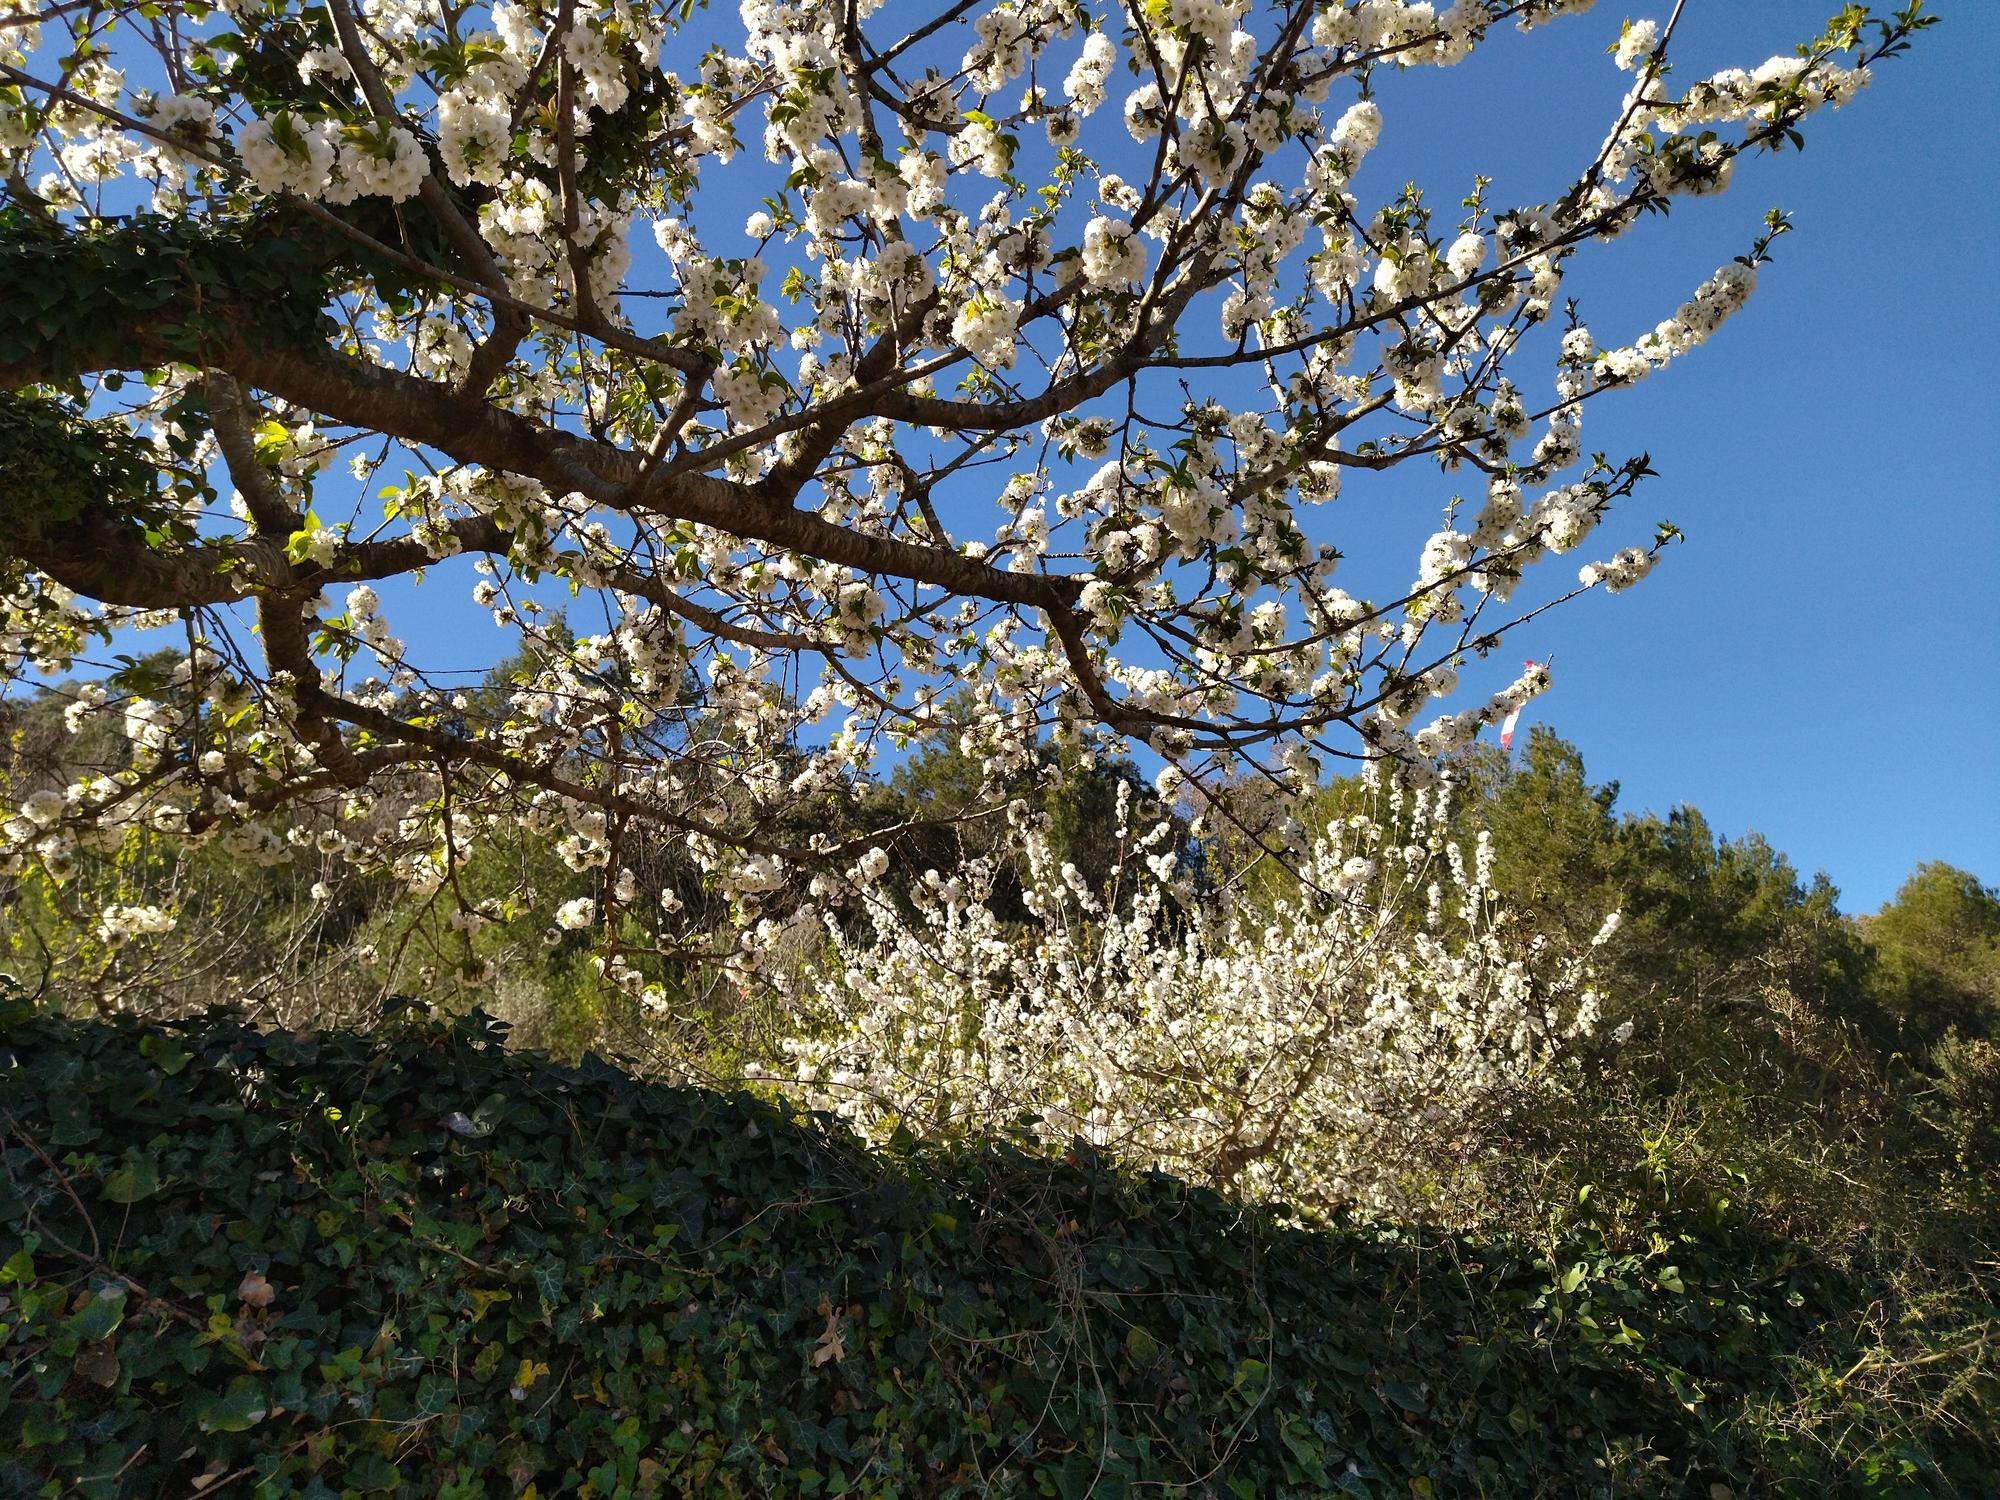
[1714, 928]
[1969, 1080]
[1768, 1063]
[417, 1263]
[55, 463]
[1938, 949]
[185, 282]
[1554, 835]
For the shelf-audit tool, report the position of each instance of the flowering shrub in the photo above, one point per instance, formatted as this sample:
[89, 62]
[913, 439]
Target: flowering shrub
[1363, 1041]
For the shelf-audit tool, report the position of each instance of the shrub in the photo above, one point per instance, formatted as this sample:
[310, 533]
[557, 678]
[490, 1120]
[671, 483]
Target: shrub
[1367, 1038]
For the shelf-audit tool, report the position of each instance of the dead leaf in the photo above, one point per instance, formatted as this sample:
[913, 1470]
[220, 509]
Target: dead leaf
[255, 1291]
[832, 1345]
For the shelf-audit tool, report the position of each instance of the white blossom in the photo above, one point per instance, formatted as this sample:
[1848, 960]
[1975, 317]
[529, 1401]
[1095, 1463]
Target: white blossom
[1359, 1043]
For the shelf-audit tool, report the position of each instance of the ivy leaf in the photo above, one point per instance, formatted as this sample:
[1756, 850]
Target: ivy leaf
[237, 1409]
[138, 1179]
[97, 1363]
[167, 1054]
[101, 1316]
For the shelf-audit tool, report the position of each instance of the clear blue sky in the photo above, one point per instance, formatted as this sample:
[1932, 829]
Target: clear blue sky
[1820, 661]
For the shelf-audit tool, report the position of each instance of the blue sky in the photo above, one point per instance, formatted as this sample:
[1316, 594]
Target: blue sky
[1820, 661]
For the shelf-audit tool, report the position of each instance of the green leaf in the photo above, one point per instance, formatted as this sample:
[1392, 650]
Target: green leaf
[97, 1363]
[1141, 1345]
[168, 1055]
[139, 1178]
[19, 1267]
[100, 1317]
[237, 1409]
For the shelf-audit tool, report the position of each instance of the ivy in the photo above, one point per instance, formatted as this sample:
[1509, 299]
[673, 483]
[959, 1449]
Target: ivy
[56, 464]
[416, 1263]
[184, 282]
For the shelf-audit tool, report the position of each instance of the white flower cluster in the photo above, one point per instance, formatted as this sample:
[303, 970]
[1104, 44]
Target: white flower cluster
[1357, 131]
[591, 51]
[749, 395]
[1366, 1041]
[1113, 257]
[1620, 572]
[984, 328]
[719, 300]
[186, 117]
[321, 160]
[1084, 87]
[983, 146]
[1636, 43]
[475, 127]
[285, 154]
[118, 925]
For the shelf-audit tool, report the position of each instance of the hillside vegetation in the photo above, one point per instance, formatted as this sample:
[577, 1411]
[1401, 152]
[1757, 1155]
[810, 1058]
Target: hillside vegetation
[417, 1263]
[1736, 1235]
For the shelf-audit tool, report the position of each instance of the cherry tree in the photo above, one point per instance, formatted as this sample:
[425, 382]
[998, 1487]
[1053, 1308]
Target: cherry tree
[790, 388]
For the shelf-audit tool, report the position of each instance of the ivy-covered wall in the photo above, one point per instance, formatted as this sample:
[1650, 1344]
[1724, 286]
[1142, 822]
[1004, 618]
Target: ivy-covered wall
[415, 1263]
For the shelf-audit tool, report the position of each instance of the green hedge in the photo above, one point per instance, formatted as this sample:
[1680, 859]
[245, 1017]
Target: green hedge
[486, 1274]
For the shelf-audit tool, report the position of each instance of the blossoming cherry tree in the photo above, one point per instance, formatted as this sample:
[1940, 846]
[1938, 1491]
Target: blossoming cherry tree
[788, 387]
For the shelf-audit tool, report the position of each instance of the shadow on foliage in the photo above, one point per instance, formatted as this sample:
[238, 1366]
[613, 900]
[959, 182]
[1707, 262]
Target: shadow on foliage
[414, 1262]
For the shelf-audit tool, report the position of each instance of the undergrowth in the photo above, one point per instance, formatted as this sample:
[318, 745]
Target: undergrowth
[417, 1263]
